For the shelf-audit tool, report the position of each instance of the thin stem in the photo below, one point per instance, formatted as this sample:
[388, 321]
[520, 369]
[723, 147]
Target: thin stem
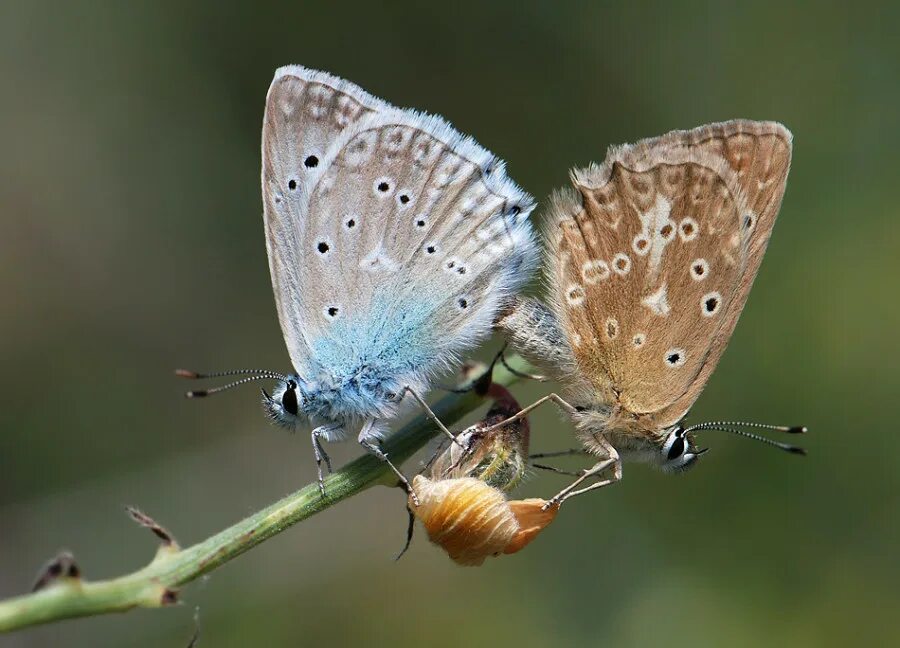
[157, 583]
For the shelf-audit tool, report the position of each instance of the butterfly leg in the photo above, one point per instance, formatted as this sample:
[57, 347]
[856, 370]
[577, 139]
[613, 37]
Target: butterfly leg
[555, 398]
[437, 453]
[369, 438]
[429, 412]
[572, 489]
[410, 528]
[558, 471]
[516, 372]
[482, 383]
[319, 451]
[594, 486]
[559, 453]
[612, 459]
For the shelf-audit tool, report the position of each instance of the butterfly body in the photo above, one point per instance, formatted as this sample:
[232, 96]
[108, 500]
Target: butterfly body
[357, 372]
[651, 256]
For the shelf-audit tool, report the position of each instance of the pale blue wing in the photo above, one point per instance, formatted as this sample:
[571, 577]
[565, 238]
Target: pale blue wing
[306, 111]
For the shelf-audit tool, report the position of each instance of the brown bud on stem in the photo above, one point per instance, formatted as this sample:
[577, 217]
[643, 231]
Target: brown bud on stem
[497, 457]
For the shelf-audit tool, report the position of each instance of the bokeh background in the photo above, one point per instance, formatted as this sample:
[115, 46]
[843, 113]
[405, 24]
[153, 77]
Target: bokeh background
[131, 243]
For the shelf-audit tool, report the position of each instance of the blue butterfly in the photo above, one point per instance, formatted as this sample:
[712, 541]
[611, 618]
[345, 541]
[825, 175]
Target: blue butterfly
[393, 243]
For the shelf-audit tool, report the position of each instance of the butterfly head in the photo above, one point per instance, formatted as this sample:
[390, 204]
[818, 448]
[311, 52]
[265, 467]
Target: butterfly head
[678, 451]
[286, 403]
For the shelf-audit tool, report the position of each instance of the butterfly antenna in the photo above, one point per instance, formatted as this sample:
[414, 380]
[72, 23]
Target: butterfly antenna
[778, 444]
[260, 374]
[790, 429]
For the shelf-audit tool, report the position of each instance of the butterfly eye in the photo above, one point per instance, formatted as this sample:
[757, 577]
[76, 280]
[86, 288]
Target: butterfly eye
[677, 449]
[289, 398]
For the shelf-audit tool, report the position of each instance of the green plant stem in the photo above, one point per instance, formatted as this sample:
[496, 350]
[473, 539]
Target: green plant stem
[157, 584]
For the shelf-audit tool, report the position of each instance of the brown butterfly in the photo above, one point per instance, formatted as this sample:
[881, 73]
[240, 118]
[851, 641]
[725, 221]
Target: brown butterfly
[650, 261]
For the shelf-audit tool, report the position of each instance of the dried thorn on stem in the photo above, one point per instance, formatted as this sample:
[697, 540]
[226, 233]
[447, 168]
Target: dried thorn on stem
[148, 522]
[169, 597]
[62, 566]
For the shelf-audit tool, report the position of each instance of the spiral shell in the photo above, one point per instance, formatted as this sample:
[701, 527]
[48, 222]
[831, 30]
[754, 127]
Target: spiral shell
[471, 520]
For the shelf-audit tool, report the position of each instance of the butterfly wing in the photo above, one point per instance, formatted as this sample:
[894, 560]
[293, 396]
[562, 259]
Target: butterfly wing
[398, 249]
[655, 255]
[306, 110]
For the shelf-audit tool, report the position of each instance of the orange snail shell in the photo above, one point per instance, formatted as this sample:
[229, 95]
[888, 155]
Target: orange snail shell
[473, 521]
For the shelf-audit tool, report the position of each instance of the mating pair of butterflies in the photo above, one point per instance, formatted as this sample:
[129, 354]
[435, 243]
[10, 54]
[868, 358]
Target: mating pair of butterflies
[397, 244]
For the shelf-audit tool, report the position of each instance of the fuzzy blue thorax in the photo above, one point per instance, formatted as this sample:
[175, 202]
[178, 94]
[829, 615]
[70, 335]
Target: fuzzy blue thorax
[359, 368]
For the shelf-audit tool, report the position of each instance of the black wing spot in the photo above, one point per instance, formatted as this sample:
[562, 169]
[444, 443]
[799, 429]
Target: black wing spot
[322, 247]
[292, 184]
[311, 162]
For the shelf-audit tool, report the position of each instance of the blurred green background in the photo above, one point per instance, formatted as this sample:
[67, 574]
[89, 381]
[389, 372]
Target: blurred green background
[131, 243]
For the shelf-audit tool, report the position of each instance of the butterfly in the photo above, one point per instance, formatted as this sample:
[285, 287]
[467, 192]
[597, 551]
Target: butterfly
[650, 260]
[393, 241]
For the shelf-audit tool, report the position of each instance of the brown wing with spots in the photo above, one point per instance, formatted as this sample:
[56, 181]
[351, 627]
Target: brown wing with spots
[654, 257]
